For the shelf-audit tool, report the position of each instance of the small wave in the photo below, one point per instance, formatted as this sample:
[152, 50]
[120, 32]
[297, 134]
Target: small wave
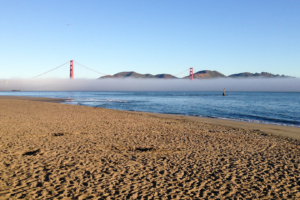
[115, 100]
[258, 121]
[272, 120]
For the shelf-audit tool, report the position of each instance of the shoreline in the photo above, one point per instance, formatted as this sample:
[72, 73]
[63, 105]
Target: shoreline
[285, 131]
[226, 118]
[43, 99]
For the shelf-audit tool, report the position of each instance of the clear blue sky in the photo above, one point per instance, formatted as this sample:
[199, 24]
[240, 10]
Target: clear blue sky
[154, 36]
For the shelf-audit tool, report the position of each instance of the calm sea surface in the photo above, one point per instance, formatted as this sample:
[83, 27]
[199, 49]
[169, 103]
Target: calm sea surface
[259, 107]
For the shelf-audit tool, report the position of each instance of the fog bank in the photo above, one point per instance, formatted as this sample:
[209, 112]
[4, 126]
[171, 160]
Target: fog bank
[231, 84]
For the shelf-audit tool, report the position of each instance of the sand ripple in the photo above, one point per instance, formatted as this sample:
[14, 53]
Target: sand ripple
[59, 151]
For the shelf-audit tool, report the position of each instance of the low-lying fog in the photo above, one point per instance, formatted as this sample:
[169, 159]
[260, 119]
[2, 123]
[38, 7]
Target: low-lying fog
[231, 84]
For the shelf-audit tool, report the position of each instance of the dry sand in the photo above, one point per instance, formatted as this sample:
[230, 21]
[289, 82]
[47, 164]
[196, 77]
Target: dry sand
[56, 151]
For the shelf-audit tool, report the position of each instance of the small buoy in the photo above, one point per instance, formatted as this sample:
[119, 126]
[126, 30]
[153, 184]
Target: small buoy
[224, 94]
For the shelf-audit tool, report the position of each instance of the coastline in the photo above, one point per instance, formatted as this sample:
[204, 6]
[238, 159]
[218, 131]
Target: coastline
[284, 131]
[50, 150]
[43, 99]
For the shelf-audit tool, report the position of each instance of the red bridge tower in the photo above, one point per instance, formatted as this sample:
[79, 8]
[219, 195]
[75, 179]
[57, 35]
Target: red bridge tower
[191, 74]
[71, 69]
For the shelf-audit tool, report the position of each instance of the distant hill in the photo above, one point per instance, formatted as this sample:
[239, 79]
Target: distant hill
[257, 75]
[165, 76]
[204, 74]
[137, 75]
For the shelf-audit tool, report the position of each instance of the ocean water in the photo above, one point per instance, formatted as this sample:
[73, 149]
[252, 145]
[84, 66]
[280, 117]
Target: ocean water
[258, 107]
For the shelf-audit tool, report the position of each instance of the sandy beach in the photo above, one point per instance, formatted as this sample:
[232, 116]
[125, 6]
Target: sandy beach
[55, 151]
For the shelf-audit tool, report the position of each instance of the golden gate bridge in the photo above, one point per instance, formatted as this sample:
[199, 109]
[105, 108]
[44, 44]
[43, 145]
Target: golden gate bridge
[83, 71]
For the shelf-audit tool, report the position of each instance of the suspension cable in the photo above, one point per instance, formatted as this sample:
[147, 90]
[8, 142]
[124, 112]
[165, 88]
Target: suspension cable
[50, 70]
[81, 65]
[116, 77]
[176, 74]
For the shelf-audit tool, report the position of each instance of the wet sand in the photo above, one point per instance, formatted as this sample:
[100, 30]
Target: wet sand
[44, 99]
[55, 151]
